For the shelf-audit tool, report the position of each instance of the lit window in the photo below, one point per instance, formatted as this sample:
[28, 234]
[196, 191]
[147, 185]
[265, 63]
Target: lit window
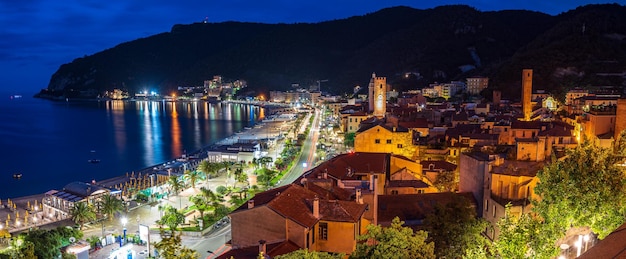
[323, 231]
[389, 141]
[399, 145]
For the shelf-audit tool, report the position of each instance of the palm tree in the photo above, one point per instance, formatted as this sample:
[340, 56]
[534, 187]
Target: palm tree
[207, 168]
[109, 205]
[177, 185]
[82, 212]
[192, 177]
[211, 197]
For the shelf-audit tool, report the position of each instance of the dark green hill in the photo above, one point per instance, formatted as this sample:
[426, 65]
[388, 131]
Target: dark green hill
[441, 44]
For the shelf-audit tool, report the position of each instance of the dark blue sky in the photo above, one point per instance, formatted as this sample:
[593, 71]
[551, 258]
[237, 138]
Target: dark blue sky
[37, 36]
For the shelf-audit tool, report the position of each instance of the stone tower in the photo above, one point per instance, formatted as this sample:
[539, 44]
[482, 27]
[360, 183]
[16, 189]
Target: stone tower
[527, 91]
[379, 85]
[497, 97]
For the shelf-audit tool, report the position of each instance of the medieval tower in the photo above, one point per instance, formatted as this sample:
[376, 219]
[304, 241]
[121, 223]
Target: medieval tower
[378, 96]
[527, 91]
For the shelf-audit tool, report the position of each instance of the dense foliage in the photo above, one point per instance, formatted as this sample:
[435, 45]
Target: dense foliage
[585, 189]
[394, 241]
[456, 231]
[170, 247]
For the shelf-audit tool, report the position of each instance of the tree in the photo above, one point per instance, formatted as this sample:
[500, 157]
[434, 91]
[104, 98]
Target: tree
[395, 241]
[109, 205]
[306, 254]
[209, 169]
[172, 218]
[82, 212]
[526, 236]
[348, 139]
[193, 177]
[170, 247]
[586, 188]
[446, 181]
[456, 230]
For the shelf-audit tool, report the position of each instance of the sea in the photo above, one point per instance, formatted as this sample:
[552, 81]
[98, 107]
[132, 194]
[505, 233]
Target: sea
[51, 142]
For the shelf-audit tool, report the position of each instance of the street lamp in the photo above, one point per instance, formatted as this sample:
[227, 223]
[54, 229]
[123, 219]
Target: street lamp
[124, 221]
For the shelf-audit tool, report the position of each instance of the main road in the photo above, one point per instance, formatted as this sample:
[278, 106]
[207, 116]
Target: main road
[212, 245]
[307, 156]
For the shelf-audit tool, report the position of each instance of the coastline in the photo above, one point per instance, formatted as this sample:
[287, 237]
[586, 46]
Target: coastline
[22, 213]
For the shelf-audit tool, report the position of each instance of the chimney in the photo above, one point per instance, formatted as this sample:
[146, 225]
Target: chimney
[325, 174]
[250, 204]
[262, 247]
[359, 196]
[316, 207]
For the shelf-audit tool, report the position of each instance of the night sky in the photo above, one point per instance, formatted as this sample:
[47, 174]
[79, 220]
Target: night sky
[37, 36]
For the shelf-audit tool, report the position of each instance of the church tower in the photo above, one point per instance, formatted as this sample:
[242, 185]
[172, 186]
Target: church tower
[379, 95]
[527, 91]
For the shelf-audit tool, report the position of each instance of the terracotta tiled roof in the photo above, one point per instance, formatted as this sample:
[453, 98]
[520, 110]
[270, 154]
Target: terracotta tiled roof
[295, 203]
[263, 198]
[407, 183]
[340, 211]
[346, 166]
[443, 165]
[330, 192]
[558, 130]
[252, 252]
[519, 168]
[292, 204]
[527, 124]
[413, 208]
[417, 123]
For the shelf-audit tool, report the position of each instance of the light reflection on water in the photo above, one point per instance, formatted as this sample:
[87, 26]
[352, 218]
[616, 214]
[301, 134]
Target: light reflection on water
[50, 142]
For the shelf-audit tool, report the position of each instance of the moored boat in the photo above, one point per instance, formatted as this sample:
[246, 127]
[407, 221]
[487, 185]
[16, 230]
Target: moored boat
[17, 175]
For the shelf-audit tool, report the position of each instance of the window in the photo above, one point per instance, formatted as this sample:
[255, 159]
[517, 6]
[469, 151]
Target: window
[399, 145]
[377, 141]
[394, 192]
[350, 127]
[313, 236]
[350, 119]
[389, 141]
[323, 231]
[494, 211]
[486, 205]
[420, 191]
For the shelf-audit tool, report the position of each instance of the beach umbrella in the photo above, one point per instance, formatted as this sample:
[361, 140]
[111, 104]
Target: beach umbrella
[28, 204]
[0, 201]
[7, 223]
[8, 217]
[26, 214]
[25, 220]
[17, 214]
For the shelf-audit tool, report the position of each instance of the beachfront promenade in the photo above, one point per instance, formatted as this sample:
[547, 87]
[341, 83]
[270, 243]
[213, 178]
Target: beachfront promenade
[24, 213]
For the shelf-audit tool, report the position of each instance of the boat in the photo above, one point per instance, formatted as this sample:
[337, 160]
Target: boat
[94, 161]
[17, 175]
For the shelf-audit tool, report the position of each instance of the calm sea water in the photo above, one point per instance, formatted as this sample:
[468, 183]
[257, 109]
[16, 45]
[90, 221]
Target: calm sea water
[50, 143]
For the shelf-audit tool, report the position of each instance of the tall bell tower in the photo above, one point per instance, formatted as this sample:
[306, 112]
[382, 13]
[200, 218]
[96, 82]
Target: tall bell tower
[527, 91]
[380, 95]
